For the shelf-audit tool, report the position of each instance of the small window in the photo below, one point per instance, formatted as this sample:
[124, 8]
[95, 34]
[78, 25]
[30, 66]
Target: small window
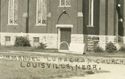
[36, 39]
[65, 3]
[7, 38]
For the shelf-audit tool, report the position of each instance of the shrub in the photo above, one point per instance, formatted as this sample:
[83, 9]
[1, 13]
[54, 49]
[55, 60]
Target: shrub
[110, 47]
[42, 46]
[98, 49]
[22, 41]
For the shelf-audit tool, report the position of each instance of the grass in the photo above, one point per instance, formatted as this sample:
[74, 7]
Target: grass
[12, 70]
[31, 49]
[12, 48]
[118, 54]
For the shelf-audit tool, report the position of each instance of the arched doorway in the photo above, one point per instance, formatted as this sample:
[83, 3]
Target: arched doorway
[64, 36]
[64, 27]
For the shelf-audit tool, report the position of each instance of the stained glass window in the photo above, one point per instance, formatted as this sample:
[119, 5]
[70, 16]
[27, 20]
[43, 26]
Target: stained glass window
[41, 12]
[12, 12]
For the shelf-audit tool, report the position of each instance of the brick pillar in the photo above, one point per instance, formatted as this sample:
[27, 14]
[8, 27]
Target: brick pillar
[110, 17]
[102, 24]
[110, 21]
[102, 17]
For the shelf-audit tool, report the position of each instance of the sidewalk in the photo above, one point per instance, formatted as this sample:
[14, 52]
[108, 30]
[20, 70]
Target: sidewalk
[116, 72]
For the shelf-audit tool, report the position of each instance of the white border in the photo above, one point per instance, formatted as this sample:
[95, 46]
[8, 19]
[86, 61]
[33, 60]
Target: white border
[64, 25]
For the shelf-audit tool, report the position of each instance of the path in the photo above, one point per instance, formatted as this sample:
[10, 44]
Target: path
[116, 72]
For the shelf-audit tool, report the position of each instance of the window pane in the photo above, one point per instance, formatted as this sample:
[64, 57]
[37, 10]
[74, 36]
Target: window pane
[41, 13]
[62, 2]
[12, 11]
[36, 39]
[65, 3]
[7, 38]
[68, 3]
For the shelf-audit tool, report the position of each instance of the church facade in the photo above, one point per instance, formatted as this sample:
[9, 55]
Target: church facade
[61, 23]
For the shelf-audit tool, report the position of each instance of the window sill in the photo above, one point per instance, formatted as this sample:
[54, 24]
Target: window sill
[64, 6]
[90, 25]
[40, 25]
[12, 24]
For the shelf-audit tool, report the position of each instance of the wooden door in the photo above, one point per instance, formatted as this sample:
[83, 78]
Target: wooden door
[65, 38]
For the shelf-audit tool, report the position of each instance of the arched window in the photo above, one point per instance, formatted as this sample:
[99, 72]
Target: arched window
[12, 12]
[41, 12]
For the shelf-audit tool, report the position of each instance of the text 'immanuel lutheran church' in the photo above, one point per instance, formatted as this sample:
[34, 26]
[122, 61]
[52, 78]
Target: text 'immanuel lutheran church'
[62, 23]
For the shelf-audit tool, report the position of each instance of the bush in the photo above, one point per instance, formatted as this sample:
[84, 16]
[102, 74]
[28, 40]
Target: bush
[98, 49]
[22, 41]
[42, 46]
[110, 47]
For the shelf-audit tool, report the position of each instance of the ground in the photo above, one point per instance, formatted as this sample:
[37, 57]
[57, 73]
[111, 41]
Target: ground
[12, 69]
[115, 72]
[54, 51]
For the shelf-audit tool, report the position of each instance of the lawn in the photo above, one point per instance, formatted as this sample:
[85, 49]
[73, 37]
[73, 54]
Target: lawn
[12, 48]
[31, 49]
[119, 54]
[12, 69]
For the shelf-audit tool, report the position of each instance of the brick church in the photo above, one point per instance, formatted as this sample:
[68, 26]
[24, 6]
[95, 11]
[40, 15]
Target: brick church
[61, 23]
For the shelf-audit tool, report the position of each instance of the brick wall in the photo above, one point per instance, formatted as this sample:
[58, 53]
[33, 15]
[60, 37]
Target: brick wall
[4, 17]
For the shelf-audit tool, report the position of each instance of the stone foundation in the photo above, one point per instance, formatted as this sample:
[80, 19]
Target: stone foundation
[77, 38]
[124, 40]
[103, 40]
[77, 45]
[49, 39]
